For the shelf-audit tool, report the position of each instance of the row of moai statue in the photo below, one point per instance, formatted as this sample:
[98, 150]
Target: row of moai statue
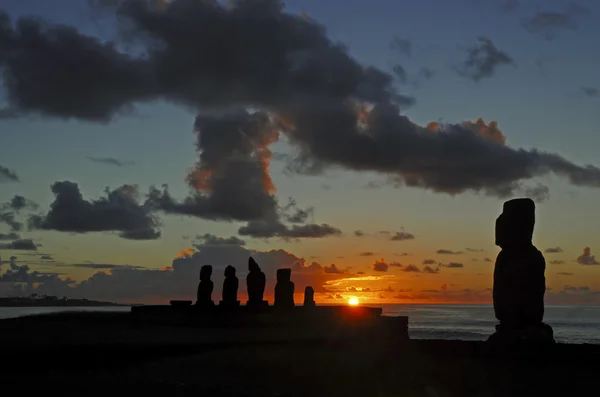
[255, 283]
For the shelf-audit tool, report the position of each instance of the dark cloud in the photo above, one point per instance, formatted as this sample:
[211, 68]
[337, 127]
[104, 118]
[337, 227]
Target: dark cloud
[110, 161]
[101, 266]
[366, 253]
[483, 59]
[548, 23]
[564, 274]
[429, 262]
[18, 203]
[211, 239]
[473, 250]
[332, 269]
[118, 211]
[46, 257]
[6, 174]
[380, 266]
[396, 264]
[553, 250]
[448, 252]
[19, 245]
[487, 260]
[591, 92]
[571, 288]
[400, 73]
[9, 236]
[401, 236]
[359, 233]
[431, 270]
[311, 88]
[454, 265]
[411, 269]
[268, 229]
[557, 262]
[400, 45]
[587, 258]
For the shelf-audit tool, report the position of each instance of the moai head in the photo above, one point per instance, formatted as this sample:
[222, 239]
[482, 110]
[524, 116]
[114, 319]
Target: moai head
[515, 225]
[252, 265]
[284, 275]
[230, 271]
[205, 273]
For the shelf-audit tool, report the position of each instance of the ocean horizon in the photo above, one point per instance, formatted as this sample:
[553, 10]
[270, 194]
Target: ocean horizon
[571, 324]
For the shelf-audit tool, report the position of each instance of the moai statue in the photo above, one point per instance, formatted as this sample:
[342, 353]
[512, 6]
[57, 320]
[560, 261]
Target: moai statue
[519, 280]
[255, 283]
[284, 289]
[309, 297]
[205, 288]
[230, 288]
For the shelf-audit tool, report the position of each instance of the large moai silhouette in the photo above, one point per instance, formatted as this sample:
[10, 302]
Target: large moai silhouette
[309, 297]
[230, 288]
[519, 280]
[205, 288]
[255, 283]
[284, 289]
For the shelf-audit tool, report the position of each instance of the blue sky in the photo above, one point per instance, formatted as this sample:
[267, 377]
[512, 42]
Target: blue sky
[537, 103]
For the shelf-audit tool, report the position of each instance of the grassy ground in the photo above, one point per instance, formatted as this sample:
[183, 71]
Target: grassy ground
[97, 355]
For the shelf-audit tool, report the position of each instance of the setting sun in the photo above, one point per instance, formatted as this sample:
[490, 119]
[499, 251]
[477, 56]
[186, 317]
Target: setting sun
[353, 302]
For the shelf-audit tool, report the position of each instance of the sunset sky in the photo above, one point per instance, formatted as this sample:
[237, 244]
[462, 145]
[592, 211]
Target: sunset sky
[369, 145]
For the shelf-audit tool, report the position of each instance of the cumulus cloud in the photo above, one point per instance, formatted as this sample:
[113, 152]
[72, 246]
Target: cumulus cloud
[549, 23]
[110, 161]
[400, 45]
[359, 233]
[177, 280]
[587, 258]
[9, 236]
[332, 269]
[380, 266]
[431, 270]
[366, 253]
[8, 175]
[118, 211]
[429, 262]
[483, 60]
[473, 250]
[553, 250]
[411, 269]
[402, 236]
[284, 65]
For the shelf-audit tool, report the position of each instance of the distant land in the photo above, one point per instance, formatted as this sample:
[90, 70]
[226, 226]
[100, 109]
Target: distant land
[51, 301]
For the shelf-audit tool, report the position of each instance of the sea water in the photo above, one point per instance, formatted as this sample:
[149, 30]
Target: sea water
[571, 324]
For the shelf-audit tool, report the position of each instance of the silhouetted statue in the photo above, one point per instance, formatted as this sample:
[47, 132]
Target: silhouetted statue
[205, 288]
[519, 281]
[284, 289]
[230, 288]
[309, 297]
[255, 283]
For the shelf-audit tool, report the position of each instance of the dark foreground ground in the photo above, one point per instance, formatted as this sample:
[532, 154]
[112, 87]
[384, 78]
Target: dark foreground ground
[103, 354]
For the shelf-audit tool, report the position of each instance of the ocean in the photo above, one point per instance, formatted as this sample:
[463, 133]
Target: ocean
[572, 324]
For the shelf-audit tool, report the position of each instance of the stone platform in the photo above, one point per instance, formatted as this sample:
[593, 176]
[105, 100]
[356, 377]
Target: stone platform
[325, 318]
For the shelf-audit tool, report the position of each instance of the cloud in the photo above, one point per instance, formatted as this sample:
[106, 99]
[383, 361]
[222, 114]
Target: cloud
[308, 87]
[400, 45]
[487, 260]
[110, 161]
[380, 266]
[448, 252]
[396, 264]
[411, 269]
[402, 236]
[557, 262]
[19, 245]
[483, 59]
[9, 236]
[430, 270]
[210, 239]
[18, 203]
[549, 23]
[429, 261]
[8, 175]
[473, 250]
[564, 274]
[591, 92]
[333, 269]
[366, 253]
[126, 283]
[553, 250]
[46, 257]
[118, 211]
[359, 233]
[587, 258]
[453, 265]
